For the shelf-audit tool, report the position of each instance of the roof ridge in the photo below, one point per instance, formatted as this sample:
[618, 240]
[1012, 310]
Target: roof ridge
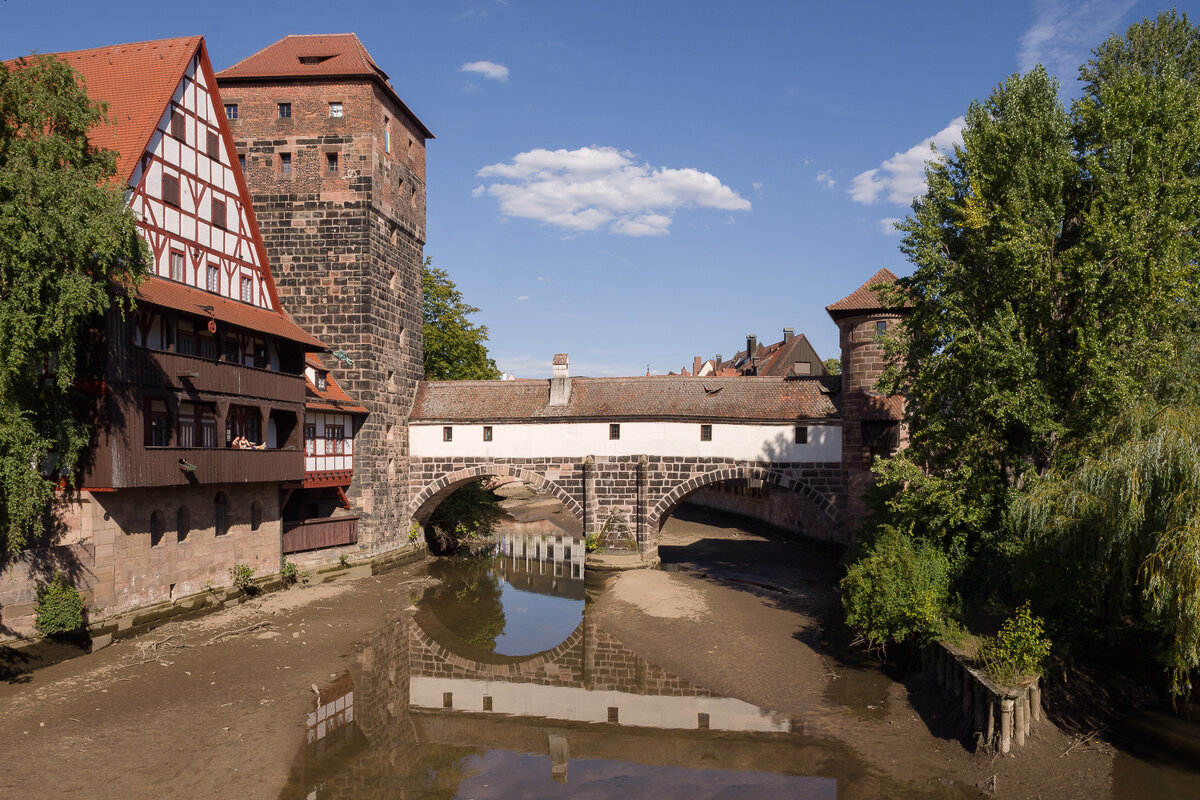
[109, 47]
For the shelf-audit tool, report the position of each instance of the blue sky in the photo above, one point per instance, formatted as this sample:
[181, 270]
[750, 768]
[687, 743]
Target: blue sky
[637, 183]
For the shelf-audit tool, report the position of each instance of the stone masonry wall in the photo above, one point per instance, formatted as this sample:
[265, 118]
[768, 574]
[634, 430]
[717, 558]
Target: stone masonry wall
[346, 250]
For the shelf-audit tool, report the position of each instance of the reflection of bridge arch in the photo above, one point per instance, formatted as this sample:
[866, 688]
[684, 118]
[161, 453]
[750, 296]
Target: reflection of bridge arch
[427, 501]
[823, 508]
[466, 661]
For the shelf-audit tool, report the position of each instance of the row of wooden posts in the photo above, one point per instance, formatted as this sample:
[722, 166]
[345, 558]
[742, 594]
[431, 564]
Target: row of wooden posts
[999, 715]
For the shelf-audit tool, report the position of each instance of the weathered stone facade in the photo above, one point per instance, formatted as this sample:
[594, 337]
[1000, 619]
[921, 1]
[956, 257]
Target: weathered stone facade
[623, 500]
[344, 225]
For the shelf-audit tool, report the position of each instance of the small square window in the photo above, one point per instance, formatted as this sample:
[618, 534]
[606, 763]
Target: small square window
[706, 433]
[487, 433]
[487, 702]
[170, 190]
[322, 381]
[218, 213]
[614, 431]
[285, 163]
[231, 111]
[214, 278]
[242, 161]
[214, 147]
[335, 109]
[447, 434]
[447, 699]
[247, 290]
[285, 110]
[178, 127]
[881, 327]
[614, 714]
[176, 266]
[801, 434]
[331, 162]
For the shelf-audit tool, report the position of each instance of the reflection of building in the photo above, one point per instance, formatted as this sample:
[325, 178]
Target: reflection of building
[537, 559]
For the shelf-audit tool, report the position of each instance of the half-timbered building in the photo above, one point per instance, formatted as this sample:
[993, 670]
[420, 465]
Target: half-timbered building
[199, 393]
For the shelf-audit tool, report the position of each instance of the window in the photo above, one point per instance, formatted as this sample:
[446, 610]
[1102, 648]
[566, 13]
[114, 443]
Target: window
[187, 425]
[183, 523]
[221, 514]
[285, 110]
[322, 381]
[214, 148]
[208, 427]
[185, 340]
[218, 213]
[170, 190]
[156, 529]
[310, 440]
[242, 161]
[233, 353]
[260, 353]
[331, 162]
[487, 433]
[335, 442]
[231, 111]
[206, 347]
[801, 434]
[214, 278]
[335, 109]
[158, 424]
[706, 433]
[285, 163]
[247, 294]
[447, 434]
[881, 327]
[387, 136]
[614, 431]
[178, 129]
[176, 266]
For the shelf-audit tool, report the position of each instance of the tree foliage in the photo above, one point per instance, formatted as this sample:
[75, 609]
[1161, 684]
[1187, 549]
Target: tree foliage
[65, 235]
[454, 346]
[1057, 271]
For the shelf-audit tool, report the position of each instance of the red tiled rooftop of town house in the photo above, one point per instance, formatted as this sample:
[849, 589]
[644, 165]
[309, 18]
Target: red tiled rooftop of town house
[332, 397]
[322, 55]
[863, 298]
[136, 80]
[657, 397]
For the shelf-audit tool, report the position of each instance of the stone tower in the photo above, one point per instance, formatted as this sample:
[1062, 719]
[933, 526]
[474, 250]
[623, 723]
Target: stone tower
[335, 164]
[872, 423]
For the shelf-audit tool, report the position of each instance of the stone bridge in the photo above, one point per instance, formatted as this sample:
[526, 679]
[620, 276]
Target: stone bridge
[622, 453]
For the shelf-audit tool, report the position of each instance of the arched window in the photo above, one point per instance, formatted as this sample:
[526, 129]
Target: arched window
[156, 529]
[221, 514]
[183, 523]
[255, 515]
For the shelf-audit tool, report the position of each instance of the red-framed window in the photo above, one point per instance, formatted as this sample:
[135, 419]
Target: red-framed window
[310, 440]
[335, 440]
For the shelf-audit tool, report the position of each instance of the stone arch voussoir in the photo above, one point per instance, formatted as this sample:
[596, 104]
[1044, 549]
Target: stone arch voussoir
[826, 506]
[428, 499]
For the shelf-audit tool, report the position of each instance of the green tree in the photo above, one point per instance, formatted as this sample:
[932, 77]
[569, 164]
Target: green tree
[833, 366]
[66, 234]
[454, 346]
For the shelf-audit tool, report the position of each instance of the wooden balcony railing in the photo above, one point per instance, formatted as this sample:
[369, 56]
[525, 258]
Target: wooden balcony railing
[171, 466]
[313, 534]
[178, 371]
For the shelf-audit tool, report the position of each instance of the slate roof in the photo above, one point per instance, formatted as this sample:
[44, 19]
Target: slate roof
[136, 80]
[333, 398]
[162, 292]
[863, 298]
[326, 55]
[740, 399]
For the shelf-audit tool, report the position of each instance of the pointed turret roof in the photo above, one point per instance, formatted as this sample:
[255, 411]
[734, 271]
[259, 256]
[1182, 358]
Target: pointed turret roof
[864, 297]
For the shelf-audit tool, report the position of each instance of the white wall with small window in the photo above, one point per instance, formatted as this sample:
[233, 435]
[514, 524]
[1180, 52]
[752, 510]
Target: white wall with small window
[328, 442]
[782, 441]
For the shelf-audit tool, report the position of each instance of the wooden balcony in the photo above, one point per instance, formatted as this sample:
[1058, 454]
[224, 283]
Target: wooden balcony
[192, 373]
[314, 534]
[167, 466]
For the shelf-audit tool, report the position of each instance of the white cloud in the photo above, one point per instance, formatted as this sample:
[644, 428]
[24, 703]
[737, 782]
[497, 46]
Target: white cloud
[522, 298]
[825, 178]
[757, 186]
[1063, 33]
[488, 69]
[544, 279]
[887, 226]
[902, 177]
[602, 187]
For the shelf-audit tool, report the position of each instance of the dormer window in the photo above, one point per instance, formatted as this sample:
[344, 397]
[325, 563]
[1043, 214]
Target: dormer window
[313, 59]
[322, 381]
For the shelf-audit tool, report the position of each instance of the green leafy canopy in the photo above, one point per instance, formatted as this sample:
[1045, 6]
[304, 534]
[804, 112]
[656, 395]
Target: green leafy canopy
[454, 346]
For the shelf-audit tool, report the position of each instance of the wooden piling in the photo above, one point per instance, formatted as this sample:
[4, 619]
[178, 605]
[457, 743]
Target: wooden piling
[989, 725]
[1006, 724]
[1020, 719]
[1035, 701]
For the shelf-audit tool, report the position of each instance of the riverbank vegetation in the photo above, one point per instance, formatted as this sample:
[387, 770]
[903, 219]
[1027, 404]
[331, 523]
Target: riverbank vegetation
[1049, 357]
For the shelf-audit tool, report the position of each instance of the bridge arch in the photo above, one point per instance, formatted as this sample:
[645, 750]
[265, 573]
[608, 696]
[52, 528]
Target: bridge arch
[823, 508]
[480, 664]
[426, 502]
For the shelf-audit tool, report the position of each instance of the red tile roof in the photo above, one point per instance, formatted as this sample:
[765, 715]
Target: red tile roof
[333, 398]
[162, 292]
[863, 298]
[770, 399]
[136, 80]
[325, 55]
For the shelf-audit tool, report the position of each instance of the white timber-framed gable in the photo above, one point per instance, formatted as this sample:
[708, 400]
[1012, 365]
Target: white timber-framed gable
[189, 194]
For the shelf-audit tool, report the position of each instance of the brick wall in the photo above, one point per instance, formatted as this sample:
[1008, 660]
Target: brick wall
[346, 249]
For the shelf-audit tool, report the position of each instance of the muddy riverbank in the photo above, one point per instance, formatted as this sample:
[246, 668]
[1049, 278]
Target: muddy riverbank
[218, 706]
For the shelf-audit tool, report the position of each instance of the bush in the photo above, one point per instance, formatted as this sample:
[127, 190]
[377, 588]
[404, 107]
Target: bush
[59, 608]
[1018, 650]
[289, 573]
[242, 576]
[897, 590]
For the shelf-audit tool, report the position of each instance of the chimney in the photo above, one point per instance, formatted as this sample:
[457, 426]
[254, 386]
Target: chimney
[751, 345]
[788, 333]
[560, 383]
[696, 364]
